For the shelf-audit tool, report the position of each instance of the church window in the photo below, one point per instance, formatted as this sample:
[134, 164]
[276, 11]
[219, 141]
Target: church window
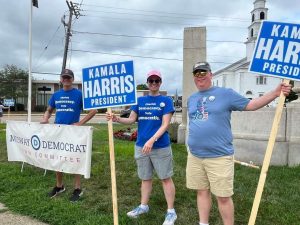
[262, 16]
[253, 17]
[261, 80]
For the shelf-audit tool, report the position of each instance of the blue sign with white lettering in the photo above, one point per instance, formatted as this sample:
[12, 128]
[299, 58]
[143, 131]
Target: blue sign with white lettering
[9, 102]
[108, 85]
[277, 50]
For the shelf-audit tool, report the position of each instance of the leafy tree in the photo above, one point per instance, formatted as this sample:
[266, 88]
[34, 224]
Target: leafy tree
[13, 82]
[142, 87]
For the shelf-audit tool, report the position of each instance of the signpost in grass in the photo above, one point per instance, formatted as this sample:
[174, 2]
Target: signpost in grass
[106, 86]
[277, 53]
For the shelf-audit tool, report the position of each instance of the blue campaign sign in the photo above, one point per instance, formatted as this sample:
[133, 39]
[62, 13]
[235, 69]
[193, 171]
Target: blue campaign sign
[8, 102]
[108, 85]
[277, 50]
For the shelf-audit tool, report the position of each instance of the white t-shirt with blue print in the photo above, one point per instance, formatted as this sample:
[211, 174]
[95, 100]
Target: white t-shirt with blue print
[209, 114]
[150, 111]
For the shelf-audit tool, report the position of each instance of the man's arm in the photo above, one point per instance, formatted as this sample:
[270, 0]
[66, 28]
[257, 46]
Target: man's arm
[47, 115]
[262, 101]
[85, 119]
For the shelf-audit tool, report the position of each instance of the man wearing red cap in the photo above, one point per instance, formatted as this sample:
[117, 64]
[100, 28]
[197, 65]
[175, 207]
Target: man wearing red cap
[152, 149]
[68, 105]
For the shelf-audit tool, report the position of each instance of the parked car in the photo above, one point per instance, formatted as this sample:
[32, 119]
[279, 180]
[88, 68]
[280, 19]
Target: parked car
[178, 109]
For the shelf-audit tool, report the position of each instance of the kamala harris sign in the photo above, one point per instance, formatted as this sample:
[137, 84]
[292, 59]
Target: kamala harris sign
[277, 50]
[109, 85]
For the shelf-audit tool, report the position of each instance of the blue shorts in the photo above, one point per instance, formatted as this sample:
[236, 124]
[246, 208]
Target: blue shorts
[160, 160]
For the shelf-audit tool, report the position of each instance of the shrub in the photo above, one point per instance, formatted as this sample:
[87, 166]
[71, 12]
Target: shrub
[173, 128]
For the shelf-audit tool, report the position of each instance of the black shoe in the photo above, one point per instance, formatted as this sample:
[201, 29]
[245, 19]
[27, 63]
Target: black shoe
[77, 193]
[55, 191]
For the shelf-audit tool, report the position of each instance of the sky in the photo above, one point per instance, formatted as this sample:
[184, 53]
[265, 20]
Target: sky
[148, 32]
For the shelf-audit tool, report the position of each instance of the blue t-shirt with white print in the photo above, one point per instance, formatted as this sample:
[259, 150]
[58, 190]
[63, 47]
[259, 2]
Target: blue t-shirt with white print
[68, 105]
[209, 114]
[150, 111]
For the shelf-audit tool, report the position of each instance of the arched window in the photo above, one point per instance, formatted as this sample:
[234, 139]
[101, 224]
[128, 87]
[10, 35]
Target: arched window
[249, 93]
[262, 16]
[253, 17]
[252, 32]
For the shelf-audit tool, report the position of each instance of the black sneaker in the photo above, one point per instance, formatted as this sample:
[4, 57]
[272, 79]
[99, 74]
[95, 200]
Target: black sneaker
[55, 191]
[77, 193]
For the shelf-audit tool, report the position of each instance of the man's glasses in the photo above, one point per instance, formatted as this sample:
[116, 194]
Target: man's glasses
[200, 73]
[66, 77]
[154, 81]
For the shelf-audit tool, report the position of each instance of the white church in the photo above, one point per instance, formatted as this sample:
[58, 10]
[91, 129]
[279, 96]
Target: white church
[236, 75]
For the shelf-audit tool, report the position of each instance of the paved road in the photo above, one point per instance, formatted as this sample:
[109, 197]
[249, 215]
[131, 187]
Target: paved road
[9, 218]
[99, 118]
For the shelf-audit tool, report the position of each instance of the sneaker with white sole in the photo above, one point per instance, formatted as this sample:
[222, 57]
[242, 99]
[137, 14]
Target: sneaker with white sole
[170, 218]
[55, 191]
[77, 193]
[138, 211]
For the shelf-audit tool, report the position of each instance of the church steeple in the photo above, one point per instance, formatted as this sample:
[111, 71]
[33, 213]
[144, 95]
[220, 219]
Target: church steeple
[258, 14]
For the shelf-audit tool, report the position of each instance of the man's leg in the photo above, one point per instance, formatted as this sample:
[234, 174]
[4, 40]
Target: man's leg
[226, 209]
[169, 191]
[59, 177]
[77, 181]
[146, 189]
[204, 205]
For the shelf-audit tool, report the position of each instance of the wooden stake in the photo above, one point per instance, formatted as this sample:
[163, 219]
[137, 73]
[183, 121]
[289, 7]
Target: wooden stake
[267, 159]
[113, 170]
[246, 164]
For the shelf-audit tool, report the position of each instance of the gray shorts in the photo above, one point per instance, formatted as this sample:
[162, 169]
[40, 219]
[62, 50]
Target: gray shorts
[160, 160]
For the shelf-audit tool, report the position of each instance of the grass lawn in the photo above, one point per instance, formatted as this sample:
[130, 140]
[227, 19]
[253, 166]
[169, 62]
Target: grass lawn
[26, 193]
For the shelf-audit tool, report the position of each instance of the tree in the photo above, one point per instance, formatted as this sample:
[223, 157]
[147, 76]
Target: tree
[142, 87]
[13, 83]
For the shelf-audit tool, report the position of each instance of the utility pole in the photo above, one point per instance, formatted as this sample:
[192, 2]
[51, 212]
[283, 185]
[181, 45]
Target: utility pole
[73, 10]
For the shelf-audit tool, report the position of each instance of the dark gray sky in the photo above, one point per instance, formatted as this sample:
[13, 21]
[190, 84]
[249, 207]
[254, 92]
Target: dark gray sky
[113, 22]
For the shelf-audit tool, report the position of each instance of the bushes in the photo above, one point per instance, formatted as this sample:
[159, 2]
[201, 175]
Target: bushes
[173, 128]
[40, 108]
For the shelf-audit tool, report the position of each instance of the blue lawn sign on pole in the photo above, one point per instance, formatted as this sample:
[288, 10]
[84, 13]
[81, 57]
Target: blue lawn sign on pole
[8, 102]
[108, 85]
[277, 50]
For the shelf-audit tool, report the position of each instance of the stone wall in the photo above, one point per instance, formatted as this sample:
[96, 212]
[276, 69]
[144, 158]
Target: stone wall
[251, 131]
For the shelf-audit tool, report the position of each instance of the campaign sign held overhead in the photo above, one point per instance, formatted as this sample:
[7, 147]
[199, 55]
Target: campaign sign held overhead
[109, 85]
[277, 50]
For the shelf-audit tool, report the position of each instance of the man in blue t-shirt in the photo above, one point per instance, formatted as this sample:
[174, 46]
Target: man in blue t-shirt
[68, 105]
[210, 165]
[152, 149]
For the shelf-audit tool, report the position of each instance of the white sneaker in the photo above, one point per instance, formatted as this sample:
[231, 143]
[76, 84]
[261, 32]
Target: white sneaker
[138, 211]
[170, 218]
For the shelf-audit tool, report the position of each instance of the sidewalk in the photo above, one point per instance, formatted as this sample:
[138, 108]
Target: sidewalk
[9, 218]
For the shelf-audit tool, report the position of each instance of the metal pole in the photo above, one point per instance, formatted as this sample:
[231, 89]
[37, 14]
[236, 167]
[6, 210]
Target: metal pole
[67, 37]
[29, 64]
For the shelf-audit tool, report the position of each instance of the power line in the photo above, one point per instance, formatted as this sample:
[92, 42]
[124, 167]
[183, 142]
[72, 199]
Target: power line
[170, 13]
[147, 37]
[162, 22]
[137, 56]
[188, 17]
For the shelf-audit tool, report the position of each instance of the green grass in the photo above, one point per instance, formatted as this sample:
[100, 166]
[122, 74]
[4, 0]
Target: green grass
[25, 193]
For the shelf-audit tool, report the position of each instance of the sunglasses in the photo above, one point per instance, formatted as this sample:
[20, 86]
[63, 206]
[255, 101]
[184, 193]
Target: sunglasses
[154, 81]
[201, 73]
[66, 77]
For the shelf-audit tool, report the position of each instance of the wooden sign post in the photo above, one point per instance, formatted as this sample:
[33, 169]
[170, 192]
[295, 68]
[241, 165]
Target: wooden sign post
[113, 169]
[267, 159]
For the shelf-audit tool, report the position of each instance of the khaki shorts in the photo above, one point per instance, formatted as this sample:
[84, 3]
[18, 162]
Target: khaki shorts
[214, 174]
